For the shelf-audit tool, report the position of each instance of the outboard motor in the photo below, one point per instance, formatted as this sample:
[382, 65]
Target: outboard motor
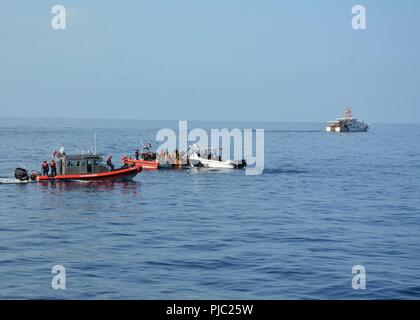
[240, 164]
[21, 174]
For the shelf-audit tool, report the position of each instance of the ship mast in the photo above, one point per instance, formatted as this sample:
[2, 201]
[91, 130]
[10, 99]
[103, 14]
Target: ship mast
[347, 113]
[94, 143]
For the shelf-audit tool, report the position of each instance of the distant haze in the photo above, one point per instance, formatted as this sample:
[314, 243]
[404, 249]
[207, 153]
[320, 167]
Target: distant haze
[242, 60]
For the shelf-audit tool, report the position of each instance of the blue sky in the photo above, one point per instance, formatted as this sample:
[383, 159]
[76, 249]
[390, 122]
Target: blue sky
[245, 60]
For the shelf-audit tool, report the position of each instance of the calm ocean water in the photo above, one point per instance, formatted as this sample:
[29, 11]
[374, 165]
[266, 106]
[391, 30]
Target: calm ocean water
[325, 203]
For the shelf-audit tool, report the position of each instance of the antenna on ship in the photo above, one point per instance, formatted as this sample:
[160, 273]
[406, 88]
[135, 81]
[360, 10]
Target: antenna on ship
[347, 113]
[94, 139]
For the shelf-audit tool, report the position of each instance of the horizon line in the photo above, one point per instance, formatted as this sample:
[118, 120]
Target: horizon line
[174, 120]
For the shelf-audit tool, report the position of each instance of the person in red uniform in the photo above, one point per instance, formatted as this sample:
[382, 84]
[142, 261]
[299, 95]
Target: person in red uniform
[53, 168]
[45, 168]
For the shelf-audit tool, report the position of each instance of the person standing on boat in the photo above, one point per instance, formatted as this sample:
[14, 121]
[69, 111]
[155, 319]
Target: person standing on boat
[137, 154]
[126, 164]
[45, 168]
[53, 168]
[109, 163]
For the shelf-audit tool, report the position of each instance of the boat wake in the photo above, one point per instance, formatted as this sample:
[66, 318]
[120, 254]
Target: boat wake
[291, 131]
[12, 181]
[282, 171]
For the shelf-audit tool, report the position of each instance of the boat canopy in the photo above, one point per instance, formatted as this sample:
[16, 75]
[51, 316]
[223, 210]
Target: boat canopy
[80, 164]
[81, 157]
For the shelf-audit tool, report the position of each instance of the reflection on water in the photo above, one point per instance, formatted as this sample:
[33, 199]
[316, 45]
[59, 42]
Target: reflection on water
[92, 186]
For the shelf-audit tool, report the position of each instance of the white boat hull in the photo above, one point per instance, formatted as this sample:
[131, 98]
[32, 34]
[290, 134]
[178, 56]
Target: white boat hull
[197, 162]
[349, 129]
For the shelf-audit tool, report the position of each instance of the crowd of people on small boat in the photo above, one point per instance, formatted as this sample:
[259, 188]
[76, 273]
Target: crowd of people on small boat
[164, 156]
[167, 157]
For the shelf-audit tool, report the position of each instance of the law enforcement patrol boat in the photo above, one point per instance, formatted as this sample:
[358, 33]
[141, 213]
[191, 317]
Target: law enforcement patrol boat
[347, 124]
[86, 167]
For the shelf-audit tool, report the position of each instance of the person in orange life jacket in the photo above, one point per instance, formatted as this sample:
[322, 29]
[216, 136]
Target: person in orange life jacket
[109, 163]
[45, 168]
[53, 168]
